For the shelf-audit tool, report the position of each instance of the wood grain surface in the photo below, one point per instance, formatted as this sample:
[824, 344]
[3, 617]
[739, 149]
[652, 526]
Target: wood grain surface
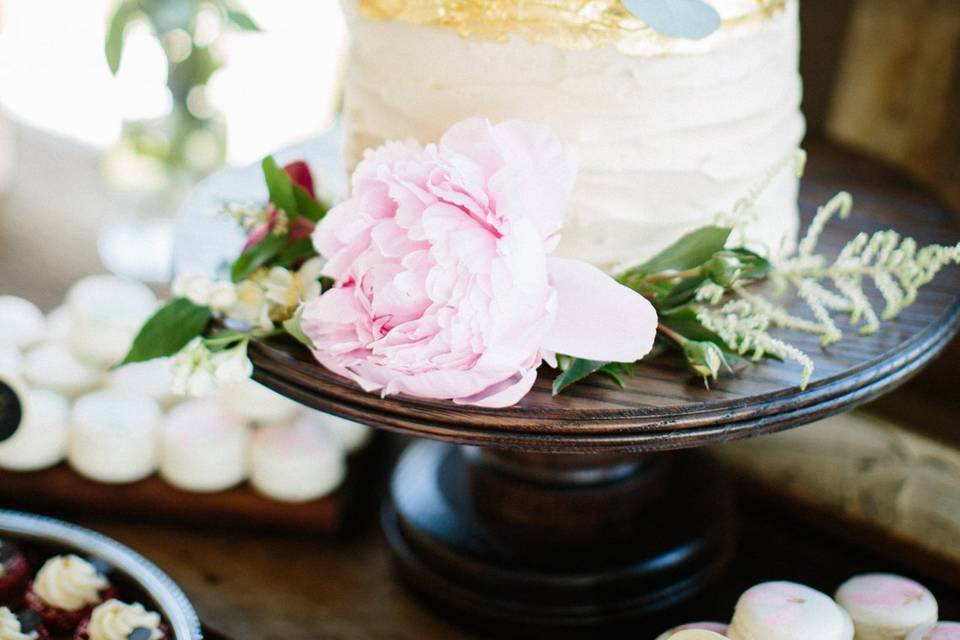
[662, 407]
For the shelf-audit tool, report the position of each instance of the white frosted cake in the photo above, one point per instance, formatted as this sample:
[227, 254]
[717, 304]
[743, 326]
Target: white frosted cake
[669, 131]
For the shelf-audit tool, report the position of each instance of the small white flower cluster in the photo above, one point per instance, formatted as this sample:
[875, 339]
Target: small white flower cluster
[203, 291]
[197, 371]
[248, 216]
[269, 296]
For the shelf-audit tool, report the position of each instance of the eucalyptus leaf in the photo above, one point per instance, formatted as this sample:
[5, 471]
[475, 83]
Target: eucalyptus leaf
[690, 19]
[280, 187]
[169, 330]
[689, 252]
[257, 256]
[295, 330]
[575, 371]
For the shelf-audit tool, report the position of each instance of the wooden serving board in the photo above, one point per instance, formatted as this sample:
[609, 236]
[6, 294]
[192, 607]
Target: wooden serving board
[62, 490]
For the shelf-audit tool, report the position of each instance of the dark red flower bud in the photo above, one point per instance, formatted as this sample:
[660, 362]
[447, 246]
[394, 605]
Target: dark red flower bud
[300, 174]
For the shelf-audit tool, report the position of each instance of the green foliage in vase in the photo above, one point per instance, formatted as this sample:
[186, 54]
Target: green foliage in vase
[191, 139]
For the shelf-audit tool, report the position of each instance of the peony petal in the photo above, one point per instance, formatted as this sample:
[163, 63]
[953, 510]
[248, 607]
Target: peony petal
[598, 318]
[503, 394]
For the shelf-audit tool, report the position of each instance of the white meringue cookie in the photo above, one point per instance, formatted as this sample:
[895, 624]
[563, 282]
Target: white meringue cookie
[41, 440]
[107, 314]
[114, 436]
[11, 362]
[152, 377]
[787, 611]
[938, 631]
[203, 448]
[55, 367]
[21, 323]
[698, 634]
[886, 606]
[296, 462]
[353, 436]
[716, 627]
[60, 325]
[251, 401]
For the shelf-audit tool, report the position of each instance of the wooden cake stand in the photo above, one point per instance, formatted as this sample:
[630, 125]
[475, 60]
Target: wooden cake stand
[588, 508]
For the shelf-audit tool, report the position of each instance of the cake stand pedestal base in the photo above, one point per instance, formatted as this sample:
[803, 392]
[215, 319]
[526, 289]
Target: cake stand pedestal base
[500, 538]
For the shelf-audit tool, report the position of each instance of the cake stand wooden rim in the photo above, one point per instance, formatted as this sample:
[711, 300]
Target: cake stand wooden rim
[755, 416]
[600, 417]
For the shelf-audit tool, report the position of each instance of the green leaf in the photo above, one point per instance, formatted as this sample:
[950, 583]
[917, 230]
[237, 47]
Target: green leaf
[755, 266]
[116, 34]
[576, 371]
[242, 21]
[280, 187]
[689, 252]
[169, 330]
[681, 293]
[307, 206]
[293, 328]
[257, 256]
[615, 371]
[685, 322]
[299, 250]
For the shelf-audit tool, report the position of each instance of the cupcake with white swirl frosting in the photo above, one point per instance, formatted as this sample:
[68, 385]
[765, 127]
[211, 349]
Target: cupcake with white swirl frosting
[115, 620]
[65, 591]
[23, 626]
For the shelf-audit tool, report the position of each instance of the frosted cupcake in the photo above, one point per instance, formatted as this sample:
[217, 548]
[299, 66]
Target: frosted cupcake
[353, 436]
[25, 625]
[939, 631]
[65, 591]
[296, 462]
[21, 323]
[115, 620]
[40, 441]
[715, 627]
[115, 436]
[14, 575]
[788, 611]
[107, 313]
[54, 367]
[886, 606]
[203, 448]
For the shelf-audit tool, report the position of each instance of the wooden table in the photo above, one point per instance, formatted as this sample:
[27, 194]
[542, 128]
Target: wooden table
[263, 586]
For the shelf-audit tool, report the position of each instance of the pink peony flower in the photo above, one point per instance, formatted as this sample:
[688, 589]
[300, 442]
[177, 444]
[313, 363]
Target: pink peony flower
[444, 284]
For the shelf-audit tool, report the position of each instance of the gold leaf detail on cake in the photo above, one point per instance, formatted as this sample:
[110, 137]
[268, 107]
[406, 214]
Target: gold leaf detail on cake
[577, 24]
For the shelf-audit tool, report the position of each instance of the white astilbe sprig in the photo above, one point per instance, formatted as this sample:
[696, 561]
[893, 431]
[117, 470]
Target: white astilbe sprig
[746, 331]
[743, 317]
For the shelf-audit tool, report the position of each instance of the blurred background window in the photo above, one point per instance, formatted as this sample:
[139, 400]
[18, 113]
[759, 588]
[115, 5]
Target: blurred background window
[277, 86]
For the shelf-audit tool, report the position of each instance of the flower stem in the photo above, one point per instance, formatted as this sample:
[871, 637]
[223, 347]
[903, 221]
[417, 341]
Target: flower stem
[666, 276]
[671, 334]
